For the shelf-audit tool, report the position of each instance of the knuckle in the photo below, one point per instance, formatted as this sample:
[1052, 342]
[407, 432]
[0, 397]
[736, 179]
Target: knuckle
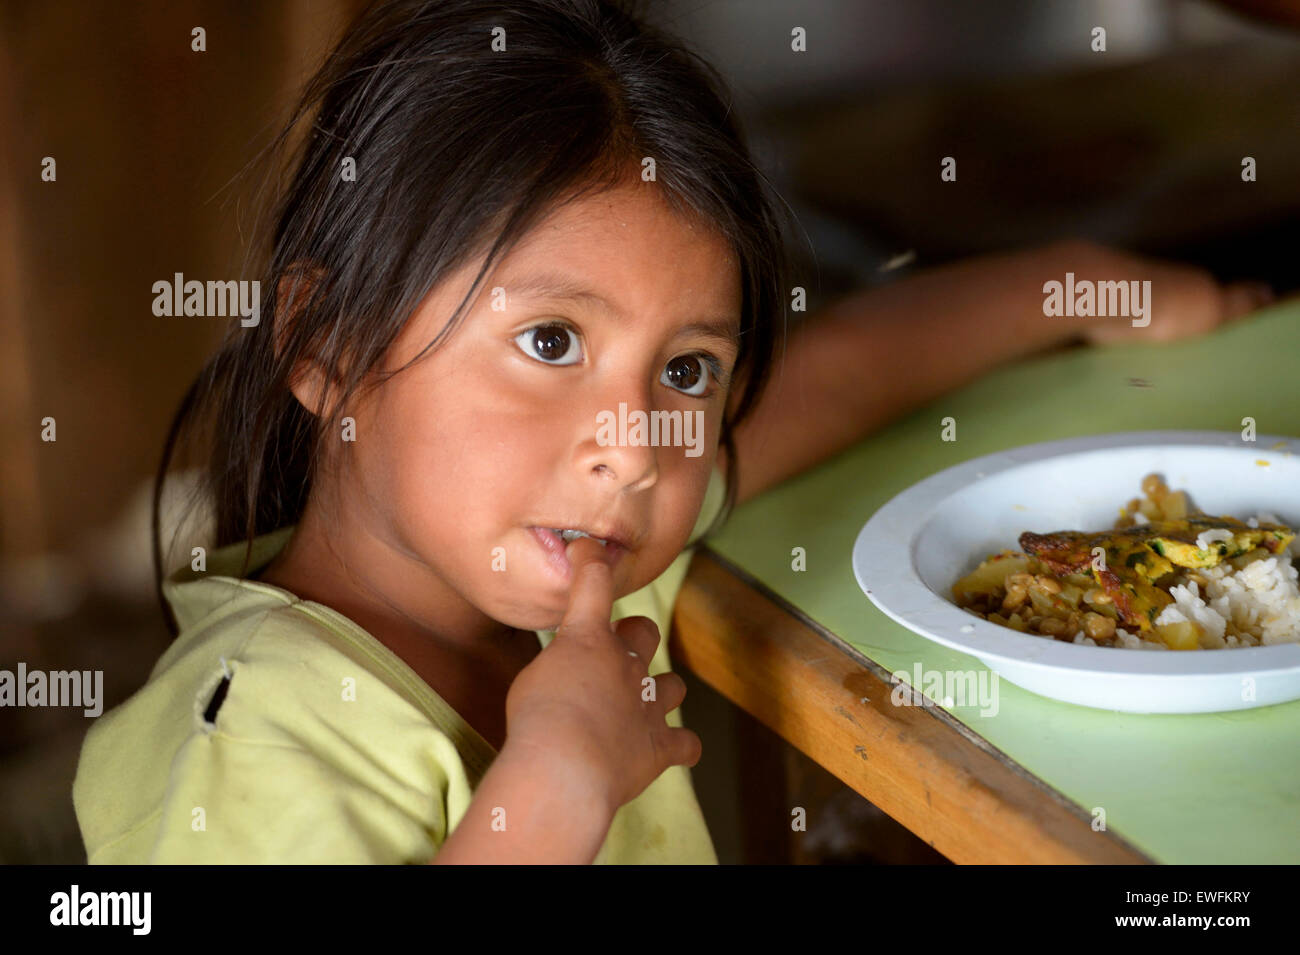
[691, 747]
[642, 633]
[639, 624]
[673, 681]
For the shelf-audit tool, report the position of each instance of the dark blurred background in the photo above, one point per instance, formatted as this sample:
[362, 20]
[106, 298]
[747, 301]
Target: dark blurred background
[1140, 146]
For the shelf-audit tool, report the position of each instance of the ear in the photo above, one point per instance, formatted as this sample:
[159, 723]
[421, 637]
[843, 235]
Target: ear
[310, 383]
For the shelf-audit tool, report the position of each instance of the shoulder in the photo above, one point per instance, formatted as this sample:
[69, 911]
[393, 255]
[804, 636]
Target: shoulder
[300, 681]
[264, 736]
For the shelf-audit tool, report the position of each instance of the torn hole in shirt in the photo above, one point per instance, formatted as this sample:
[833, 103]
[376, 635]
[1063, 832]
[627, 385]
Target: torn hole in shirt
[218, 697]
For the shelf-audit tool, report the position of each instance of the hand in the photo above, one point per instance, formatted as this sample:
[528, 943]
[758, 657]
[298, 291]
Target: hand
[579, 702]
[1185, 300]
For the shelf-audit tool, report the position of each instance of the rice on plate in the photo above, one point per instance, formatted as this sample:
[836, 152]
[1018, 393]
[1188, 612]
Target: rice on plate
[1166, 576]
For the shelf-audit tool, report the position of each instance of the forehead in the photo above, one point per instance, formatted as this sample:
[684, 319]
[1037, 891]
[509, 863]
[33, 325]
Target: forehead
[630, 243]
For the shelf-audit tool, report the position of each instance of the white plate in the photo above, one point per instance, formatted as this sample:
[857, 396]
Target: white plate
[913, 549]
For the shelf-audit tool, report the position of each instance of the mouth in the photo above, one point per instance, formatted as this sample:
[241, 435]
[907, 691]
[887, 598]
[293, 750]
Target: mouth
[555, 542]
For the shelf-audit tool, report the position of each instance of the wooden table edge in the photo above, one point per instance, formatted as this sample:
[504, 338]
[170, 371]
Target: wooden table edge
[930, 772]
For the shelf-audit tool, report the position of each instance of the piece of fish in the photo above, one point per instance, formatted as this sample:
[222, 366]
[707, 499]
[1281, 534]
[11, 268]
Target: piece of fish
[1133, 560]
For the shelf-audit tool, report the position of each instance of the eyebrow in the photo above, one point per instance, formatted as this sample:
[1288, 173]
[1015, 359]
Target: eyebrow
[556, 287]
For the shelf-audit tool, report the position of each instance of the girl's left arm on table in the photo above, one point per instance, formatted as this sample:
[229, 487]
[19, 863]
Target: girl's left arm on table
[878, 354]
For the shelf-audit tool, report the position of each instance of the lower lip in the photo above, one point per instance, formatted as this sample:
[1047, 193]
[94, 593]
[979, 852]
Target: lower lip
[556, 552]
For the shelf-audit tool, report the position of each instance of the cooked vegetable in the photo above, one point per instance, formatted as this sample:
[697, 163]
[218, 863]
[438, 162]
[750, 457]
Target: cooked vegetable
[1179, 636]
[1136, 559]
[1055, 585]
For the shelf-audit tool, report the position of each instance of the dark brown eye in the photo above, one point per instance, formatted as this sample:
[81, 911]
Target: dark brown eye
[686, 373]
[550, 344]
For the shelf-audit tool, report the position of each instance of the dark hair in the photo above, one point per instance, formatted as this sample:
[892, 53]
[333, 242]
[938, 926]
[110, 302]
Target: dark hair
[461, 149]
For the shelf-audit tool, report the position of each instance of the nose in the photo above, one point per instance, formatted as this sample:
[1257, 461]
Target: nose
[617, 446]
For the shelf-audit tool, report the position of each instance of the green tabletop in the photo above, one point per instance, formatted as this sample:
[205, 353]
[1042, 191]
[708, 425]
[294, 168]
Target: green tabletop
[1199, 788]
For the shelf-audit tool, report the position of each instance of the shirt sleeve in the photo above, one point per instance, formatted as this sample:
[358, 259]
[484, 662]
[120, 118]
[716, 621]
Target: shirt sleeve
[293, 770]
[236, 801]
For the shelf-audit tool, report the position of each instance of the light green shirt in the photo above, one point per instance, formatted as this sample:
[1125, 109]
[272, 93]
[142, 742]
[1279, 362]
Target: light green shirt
[327, 747]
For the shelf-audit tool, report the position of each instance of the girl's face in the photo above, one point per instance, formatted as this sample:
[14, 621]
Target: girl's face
[463, 462]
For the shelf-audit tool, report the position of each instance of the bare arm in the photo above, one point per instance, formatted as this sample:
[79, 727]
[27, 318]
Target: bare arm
[550, 817]
[876, 355]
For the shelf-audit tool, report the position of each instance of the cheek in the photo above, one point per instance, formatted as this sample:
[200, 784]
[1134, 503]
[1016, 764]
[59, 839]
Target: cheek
[453, 462]
[678, 502]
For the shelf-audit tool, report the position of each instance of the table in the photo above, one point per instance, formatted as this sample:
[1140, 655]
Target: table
[808, 655]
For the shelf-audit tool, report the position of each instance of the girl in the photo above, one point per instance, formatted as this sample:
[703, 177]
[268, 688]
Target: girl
[510, 220]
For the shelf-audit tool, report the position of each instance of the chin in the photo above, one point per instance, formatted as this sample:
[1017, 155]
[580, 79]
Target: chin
[539, 615]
